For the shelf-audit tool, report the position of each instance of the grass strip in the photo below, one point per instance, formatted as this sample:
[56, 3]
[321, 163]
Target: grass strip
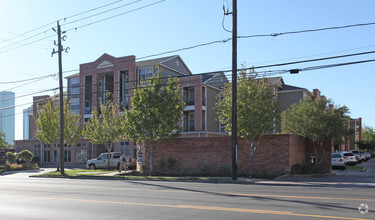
[357, 168]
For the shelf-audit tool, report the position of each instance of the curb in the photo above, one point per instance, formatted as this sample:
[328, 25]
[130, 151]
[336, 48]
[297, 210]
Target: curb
[305, 175]
[238, 181]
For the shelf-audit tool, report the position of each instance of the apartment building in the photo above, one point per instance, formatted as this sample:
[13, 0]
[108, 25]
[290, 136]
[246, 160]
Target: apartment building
[119, 76]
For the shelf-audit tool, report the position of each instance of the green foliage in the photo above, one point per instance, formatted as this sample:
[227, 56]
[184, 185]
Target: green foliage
[156, 110]
[171, 162]
[25, 155]
[204, 169]
[162, 164]
[10, 157]
[306, 169]
[256, 106]
[257, 110]
[48, 123]
[224, 169]
[105, 128]
[368, 138]
[3, 143]
[313, 120]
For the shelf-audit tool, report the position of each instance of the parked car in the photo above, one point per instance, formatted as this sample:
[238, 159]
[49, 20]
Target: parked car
[367, 155]
[349, 158]
[101, 162]
[338, 160]
[360, 156]
[372, 153]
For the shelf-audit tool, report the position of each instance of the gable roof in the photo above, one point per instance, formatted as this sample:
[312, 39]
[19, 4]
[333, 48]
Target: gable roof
[152, 62]
[290, 88]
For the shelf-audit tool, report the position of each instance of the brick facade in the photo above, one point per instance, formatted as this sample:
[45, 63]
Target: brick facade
[276, 155]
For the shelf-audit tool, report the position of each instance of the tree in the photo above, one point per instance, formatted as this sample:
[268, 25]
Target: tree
[48, 124]
[105, 127]
[156, 110]
[313, 120]
[11, 157]
[368, 138]
[257, 110]
[3, 143]
[25, 155]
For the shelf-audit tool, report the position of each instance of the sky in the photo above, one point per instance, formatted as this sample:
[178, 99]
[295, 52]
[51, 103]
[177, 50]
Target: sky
[173, 24]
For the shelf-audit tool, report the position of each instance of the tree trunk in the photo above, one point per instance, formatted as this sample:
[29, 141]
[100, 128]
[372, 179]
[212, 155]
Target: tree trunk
[252, 160]
[109, 148]
[151, 158]
[58, 161]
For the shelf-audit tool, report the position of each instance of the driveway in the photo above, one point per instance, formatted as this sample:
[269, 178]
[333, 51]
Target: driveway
[342, 176]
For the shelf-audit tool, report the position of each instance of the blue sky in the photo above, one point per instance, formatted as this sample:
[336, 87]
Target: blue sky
[174, 24]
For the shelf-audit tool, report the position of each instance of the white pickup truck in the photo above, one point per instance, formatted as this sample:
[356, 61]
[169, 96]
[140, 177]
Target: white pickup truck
[102, 161]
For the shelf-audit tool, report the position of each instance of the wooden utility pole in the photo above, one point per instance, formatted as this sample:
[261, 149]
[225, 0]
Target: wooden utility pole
[234, 91]
[59, 52]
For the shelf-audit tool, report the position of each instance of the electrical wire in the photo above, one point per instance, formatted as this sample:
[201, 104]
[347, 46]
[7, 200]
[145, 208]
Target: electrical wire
[112, 9]
[24, 80]
[117, 15]
[71, 16]
[308, 30]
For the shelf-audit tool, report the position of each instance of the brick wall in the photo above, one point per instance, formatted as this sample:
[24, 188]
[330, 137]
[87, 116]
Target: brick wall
[276, 155]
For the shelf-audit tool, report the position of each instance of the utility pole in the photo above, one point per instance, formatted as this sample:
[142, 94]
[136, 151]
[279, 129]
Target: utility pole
[234, 91]
[59, 52]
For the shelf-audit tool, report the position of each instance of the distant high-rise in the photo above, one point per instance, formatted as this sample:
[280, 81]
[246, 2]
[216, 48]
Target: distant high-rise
[7, 115]
[28, 122]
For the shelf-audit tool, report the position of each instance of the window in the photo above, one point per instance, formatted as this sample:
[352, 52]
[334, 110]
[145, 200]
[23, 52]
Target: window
[203, 120]
[190, 96]
[191, 122]
[203, 95]
[67, 156]
[222, 127]
[36, 153]
[125, 151]
[55, 156]
[74, 105]
[74, 86]
[81, 155]
[143, 73]
[46, 156]
[124, 89]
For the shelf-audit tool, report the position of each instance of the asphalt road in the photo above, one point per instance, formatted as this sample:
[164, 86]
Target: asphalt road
[344, 177]
[49, 198]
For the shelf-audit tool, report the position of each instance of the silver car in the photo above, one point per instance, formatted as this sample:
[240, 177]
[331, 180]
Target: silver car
[338, 160]
[349, 158]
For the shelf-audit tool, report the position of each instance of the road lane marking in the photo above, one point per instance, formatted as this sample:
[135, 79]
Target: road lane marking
[210, 208]
[216, 193]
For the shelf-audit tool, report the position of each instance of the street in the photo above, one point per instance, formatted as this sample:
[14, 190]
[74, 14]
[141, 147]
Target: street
[54, 198]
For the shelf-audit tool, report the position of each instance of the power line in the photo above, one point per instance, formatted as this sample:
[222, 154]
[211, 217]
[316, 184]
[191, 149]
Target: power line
[117, 15]
[27, 32]
[34, 81]
[26, 43]
[28, 94]
[85, 25]
[24, 80]
[112, 9]
[90, 10]
[308, 30]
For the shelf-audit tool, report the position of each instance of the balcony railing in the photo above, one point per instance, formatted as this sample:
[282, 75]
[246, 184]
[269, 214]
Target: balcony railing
[87, 110]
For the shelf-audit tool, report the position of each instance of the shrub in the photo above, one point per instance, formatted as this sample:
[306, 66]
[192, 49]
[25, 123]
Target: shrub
[224, 170]
[25, 155]
[171, 162]
[306, 169]
[10, 157]
[162, 165]
[204, 169]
